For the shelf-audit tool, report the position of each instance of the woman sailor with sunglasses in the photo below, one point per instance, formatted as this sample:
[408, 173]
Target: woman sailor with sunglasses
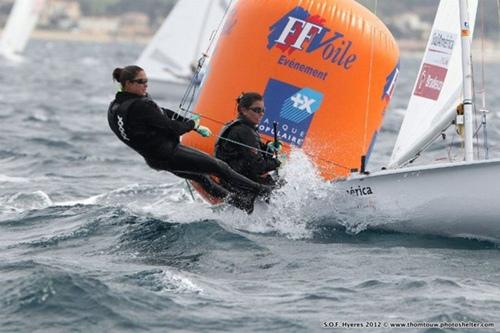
[155, 132]
[240, 145]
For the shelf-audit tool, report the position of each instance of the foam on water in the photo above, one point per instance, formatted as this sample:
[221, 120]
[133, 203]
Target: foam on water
[27, 201]
[8, 179]
[165, 281]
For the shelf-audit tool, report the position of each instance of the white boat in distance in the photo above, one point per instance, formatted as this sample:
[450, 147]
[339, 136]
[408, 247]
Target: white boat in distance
[20, 24]
[456, 199]
[173, 53]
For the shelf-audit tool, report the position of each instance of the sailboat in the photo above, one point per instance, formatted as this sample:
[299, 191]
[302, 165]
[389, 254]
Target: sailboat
[455, 199]
[171, 58]
[20, 24]
[327, 70]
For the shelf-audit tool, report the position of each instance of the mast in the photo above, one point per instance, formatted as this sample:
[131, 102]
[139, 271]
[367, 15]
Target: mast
[467, 79]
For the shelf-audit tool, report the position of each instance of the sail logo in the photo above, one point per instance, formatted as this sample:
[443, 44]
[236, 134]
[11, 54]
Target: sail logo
[440, 49]
[292, 108]
[435, 66]
[430, 81]
[443, 40]
[300, 31]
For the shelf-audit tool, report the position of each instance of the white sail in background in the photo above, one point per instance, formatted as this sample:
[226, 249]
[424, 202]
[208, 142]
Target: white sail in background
[20, 24]
[437, 90]
[183, 37]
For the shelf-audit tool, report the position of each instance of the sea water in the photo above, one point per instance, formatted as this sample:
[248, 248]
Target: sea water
[92, 240]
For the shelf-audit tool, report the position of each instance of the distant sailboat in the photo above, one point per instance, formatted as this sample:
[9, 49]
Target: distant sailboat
[172, 55]
[20, 24]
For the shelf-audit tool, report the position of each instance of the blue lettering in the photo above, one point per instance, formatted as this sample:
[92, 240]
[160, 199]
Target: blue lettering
[284, 61]
[337, 52]
[349, 61]
[316, 42]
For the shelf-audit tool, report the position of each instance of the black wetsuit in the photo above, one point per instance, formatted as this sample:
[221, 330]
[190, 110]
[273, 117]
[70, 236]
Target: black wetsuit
[240, 146]
[155, 132]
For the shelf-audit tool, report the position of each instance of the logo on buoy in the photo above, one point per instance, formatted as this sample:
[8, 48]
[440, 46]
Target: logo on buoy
[292, 107]
[300, 31]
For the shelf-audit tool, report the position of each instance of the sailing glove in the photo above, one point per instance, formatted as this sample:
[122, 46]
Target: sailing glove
[204, 131]
[196, 119]
[273, 147]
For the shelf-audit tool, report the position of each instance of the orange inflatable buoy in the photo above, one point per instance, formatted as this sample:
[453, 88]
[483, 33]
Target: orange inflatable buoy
[326, 69]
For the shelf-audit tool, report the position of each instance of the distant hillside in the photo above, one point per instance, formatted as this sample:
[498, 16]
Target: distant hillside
[389, 8]
[156, 10]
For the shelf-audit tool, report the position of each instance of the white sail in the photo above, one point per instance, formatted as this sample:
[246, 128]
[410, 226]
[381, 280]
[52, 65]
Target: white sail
[438, 87]
[181, 40]
[20, 24]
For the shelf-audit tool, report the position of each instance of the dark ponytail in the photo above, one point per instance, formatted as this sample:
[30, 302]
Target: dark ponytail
[246, 99]
[125, 74]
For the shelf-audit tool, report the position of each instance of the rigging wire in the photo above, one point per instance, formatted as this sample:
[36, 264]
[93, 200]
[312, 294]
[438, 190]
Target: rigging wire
[190, 93]
[475, 135]
[370, 72]
[483, 110]
[498, 12]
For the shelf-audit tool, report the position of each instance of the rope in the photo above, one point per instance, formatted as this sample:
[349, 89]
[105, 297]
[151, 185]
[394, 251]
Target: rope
[190, 190]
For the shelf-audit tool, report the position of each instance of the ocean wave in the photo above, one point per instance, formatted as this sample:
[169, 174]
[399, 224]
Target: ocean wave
[330, 230]
[137, 196]
[11, 154]
[180, 245]
[79, 234]
[60, 226]
[55, 298]
[28, 200]
[51, 143]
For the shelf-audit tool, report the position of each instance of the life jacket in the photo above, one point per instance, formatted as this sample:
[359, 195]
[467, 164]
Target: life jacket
[220, 152]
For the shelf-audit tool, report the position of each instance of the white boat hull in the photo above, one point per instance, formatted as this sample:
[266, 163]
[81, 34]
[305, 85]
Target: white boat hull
[454, 200]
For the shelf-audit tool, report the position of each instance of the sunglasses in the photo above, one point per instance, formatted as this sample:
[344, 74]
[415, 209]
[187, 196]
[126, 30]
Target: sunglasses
[257, 110]
[140, 81]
